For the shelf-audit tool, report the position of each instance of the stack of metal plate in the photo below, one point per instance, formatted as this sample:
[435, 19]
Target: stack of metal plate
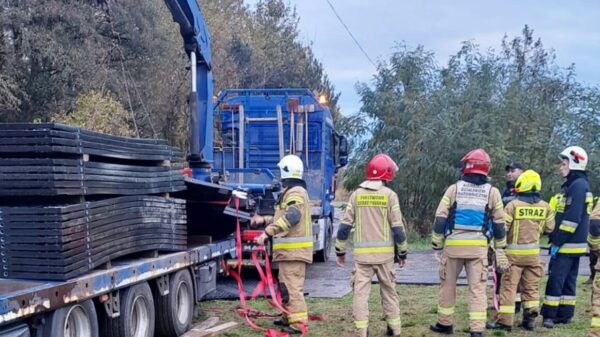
[55, 159]
[72, 199]
[61, 242]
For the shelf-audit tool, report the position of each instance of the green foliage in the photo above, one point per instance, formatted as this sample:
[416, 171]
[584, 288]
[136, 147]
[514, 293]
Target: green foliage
[53, 53]
[516, 104]
[99, 112]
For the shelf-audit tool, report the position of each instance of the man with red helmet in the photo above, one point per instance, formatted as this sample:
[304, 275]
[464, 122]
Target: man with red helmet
[469, 215]
[379, 239]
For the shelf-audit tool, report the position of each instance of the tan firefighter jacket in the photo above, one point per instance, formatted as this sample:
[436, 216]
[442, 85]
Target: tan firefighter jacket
[525, 223]
[594, 236]
[291, 241]
[374, 212]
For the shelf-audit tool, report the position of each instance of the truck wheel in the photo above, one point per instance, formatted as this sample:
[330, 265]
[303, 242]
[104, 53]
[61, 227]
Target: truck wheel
[323, 255]
[77, 320]
[174, 311]
[137, 314]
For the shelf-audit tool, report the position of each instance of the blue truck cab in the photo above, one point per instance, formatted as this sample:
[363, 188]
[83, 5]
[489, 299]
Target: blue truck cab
[257, 127]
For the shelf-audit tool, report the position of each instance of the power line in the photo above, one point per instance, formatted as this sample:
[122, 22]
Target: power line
[350, 33]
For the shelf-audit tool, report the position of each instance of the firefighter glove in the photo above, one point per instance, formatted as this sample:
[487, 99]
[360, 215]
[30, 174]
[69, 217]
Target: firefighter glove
[501, 261]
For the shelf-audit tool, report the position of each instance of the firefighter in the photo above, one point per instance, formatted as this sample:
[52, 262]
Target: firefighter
[470, 213]
[594, 242]
[569, 238]
[527, 217]
[593, 254]
[379, 240]
[513, 172]
[290, 231]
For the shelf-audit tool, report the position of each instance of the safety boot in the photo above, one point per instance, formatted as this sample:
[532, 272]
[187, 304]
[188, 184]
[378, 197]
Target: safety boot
[281, 322]
[390, 332]
[476, 334]
[497, 326]
[528, 322]
[548, 323]
[443, 329]
[290, 330]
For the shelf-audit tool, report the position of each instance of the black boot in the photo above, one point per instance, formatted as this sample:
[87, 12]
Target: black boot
[528, 322]
[498, 326]
[517, 307]
[291, 330]
[443, 329]
[476, 334]
[281, 322]
[548, 323]
[389, 332]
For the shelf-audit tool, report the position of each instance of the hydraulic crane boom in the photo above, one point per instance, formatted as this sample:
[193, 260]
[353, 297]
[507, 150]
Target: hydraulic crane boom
[196, 42]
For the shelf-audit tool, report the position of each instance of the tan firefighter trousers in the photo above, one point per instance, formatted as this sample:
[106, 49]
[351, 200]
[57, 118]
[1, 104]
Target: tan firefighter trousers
[477, 274]
[361, 285]
[291, 274]
[529, 278]
[595, 329]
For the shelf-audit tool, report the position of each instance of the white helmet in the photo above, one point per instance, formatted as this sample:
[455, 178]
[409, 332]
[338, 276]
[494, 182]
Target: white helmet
[576, 156]
[291, 166]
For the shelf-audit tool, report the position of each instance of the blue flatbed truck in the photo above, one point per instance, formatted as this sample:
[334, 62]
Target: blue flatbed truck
[140, 293]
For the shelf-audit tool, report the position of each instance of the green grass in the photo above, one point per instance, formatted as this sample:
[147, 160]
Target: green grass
[418, 306]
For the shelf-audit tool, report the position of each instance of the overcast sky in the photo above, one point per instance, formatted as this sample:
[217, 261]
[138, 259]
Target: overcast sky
[571, 28]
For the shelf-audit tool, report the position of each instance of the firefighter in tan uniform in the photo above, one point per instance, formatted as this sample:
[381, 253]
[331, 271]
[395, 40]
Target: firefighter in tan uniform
[527, 218]
[594, 242]
[379, 239]
[290, 231]
[469, 214]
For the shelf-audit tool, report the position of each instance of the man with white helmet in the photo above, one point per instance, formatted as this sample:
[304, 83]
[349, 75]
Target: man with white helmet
[290, 229]
[569, 238]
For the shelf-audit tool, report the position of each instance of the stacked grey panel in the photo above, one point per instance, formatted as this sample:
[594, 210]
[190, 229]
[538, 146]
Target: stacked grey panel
[58, 243]
[72, 200]
[55, 159]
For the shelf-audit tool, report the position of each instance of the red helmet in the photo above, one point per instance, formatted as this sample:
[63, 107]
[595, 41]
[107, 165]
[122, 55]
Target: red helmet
[381, 167]
[477, 161]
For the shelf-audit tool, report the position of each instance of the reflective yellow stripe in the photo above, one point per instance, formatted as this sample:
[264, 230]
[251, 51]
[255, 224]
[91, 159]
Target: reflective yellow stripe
[499, 205]
[297, 317]
[531, 304]
[500, 243]
[292, 245]
[446, 200]
[595, 322]
[551, 303]
[394, 321]
[568, 302]
[566, 229]
[358, 229]
[386, 225]
[361, 324]
[508, 218]
[572, 250]
[372, 200]
[373, 250]
[396, 207]
[445, 311]
[507, 309]
[477, 315]
[479, 243]
[531, 251]
[282, 224]
[297, 199]
[437, 238]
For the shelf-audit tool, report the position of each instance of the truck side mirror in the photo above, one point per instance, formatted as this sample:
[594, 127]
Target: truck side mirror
[343, 151]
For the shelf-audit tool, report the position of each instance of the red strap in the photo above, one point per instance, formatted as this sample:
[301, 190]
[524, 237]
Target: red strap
[236, 274]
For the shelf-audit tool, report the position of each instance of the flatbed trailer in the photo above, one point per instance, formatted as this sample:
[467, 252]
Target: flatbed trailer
[144, 292]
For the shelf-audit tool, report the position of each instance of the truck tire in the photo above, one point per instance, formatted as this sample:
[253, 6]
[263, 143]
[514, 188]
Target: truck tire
[175, 311]
[78, 320]
[137, 314]
[323, 255]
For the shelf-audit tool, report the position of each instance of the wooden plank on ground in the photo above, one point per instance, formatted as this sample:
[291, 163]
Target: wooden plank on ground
[210, 332]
